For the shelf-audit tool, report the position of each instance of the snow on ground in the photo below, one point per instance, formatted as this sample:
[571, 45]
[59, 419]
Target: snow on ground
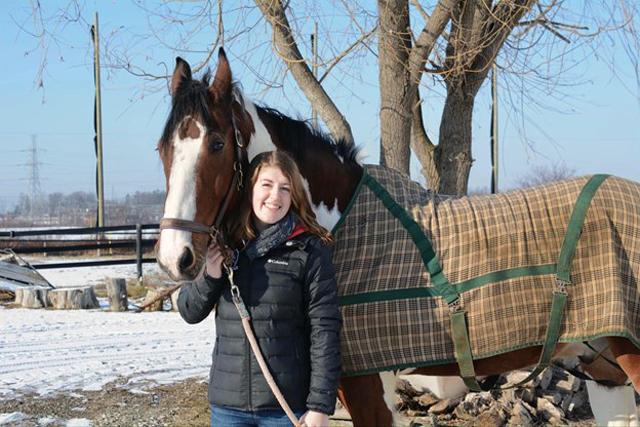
[48, 351]
[12, 417]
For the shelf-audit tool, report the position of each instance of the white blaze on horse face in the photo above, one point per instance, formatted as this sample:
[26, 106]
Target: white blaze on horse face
[261, 139]
[326, 217]
[181, 199]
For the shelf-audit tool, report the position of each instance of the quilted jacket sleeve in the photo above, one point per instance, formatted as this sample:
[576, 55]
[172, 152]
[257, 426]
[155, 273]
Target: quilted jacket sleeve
[198, 298]
[325, 323]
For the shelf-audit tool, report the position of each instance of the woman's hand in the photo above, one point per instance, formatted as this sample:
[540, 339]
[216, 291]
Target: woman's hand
[213, 267]
[314, 419]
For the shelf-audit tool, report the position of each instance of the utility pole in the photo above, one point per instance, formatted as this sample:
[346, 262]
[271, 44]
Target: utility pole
[494, 128]
[98, 121]
[314, 69]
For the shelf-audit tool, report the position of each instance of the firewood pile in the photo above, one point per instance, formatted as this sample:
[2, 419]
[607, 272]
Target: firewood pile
[555, 398]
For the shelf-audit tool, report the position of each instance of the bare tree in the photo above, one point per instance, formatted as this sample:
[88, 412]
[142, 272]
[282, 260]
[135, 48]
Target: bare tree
[450, 44]
[544, 174]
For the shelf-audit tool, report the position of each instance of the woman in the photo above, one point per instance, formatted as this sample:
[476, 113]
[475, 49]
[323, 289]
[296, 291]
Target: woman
[287, 282]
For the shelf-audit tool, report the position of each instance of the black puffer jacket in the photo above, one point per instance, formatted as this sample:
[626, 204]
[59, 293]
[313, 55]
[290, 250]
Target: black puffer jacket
[291, 296]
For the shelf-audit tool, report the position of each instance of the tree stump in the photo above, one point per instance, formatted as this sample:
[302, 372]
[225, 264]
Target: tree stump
[74, 298]
[33, 297]
[151, 294]
[117, 293]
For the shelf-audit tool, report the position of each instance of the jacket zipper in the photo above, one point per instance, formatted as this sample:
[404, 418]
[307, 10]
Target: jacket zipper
[246, 342]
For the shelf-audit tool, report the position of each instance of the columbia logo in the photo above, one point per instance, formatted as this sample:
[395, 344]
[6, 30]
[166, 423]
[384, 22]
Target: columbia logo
[277, 261]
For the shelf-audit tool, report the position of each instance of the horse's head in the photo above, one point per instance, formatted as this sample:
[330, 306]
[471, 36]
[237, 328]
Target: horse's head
[201, 153]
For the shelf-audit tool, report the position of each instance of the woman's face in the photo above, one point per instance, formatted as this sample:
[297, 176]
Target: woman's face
[271, 197]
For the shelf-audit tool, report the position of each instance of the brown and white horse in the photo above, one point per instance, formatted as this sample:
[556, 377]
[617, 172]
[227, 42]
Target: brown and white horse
[211, 134]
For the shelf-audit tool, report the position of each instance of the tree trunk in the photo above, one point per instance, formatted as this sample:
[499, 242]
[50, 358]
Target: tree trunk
[453, 154]
[117, 292]
[395, 99]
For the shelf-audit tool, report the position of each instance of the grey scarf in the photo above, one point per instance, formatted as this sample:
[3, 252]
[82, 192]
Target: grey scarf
[271, 237]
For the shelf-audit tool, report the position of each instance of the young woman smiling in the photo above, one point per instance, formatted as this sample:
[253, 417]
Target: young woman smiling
[286, 279]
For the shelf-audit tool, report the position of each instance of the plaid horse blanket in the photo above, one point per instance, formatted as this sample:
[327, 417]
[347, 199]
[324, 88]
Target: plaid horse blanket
[499, 252]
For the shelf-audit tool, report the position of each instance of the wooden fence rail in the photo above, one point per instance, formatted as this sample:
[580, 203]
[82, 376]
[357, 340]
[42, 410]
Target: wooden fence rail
[67, 245]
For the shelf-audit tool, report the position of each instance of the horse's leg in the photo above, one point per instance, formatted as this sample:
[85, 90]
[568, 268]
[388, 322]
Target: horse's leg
[363, 398]
[628, 357]
[614, 406]
[389, 380]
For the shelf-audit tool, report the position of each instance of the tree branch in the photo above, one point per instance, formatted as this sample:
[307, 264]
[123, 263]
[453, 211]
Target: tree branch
[427, 38]
[504, 18]
[285, 46]
[423, 147]
[345, 52]
[483, 12]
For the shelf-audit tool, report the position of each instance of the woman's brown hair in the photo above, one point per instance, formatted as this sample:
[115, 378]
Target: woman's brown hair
[244, 230]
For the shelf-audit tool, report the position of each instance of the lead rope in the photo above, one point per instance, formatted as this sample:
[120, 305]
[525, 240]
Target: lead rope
[246, 325]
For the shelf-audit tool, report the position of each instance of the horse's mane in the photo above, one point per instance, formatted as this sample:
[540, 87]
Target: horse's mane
[300, 135]
[192, 99]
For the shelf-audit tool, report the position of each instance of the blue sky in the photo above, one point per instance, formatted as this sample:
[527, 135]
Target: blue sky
[595, 130]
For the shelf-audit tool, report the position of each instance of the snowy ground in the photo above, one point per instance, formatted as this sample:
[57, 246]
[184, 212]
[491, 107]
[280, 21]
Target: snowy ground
[49, 351]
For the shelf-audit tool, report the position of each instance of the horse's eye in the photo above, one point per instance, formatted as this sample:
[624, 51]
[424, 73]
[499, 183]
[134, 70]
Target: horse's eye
[215, 144]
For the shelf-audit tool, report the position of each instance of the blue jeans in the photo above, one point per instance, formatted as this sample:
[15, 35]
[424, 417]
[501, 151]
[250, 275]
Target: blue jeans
[227, 417]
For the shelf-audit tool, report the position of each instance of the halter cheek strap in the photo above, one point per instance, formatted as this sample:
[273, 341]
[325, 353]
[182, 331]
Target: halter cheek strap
[184, 225]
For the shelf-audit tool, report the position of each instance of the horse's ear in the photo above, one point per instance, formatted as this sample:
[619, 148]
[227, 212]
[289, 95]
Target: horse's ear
[221, 86]
[181, 73]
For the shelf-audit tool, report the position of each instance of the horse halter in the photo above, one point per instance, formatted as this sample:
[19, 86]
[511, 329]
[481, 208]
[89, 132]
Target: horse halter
[214, 230]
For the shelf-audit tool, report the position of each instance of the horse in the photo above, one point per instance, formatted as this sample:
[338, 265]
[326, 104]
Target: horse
[211, 134]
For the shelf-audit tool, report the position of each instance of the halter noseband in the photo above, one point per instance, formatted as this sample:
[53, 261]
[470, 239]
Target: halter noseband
[214, 230]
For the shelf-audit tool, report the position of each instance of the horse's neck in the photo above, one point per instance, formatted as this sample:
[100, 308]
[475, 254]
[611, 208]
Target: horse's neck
[260, 141]
[329, 182]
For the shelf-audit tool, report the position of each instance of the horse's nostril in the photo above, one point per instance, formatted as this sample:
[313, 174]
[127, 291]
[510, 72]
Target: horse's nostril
[186, 259]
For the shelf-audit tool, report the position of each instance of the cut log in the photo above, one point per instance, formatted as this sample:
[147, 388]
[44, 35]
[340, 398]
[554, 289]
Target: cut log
[154, 300]
[32, 297]
[117, 293]
[74, 298]
[174, 300]
[7, 295]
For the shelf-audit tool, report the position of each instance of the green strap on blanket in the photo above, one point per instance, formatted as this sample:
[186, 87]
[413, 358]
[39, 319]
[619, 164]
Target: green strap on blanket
[575, 227]
[438, 280]
[443, 288]
[463, 347]
[563, 277]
